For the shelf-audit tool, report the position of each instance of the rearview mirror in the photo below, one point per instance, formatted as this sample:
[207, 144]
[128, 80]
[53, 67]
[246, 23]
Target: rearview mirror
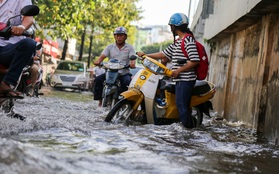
[133, 57]
[39, 46]
[30, 10]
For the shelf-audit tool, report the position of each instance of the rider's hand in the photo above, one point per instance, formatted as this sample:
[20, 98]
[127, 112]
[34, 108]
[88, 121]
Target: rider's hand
[97, 63]
[140, 54]
[18, 30]
[175, 73]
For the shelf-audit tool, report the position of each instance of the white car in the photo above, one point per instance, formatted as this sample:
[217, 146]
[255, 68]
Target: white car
[70, 74]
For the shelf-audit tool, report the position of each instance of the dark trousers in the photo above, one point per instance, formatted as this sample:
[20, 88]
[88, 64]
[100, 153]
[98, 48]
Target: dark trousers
[183, 91]
[15, 57]
[99, 84]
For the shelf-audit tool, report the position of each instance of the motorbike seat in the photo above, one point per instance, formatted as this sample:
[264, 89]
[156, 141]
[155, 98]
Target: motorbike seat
[170, 87]
[201, 87]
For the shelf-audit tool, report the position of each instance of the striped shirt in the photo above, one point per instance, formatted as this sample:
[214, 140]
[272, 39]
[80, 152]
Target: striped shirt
[174, 53]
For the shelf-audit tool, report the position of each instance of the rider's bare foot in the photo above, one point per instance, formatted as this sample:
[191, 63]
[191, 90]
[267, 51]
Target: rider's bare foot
[5, 89]
[100, 103]
[30, 91]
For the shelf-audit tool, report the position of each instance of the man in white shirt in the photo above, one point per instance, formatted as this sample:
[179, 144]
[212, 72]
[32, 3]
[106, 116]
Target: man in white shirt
[98, 70]
[16, 52]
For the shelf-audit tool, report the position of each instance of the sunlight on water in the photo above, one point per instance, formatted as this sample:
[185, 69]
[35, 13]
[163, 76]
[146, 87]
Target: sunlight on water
[65, 135]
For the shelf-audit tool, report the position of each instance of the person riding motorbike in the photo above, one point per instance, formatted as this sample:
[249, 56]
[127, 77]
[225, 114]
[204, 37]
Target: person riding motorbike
[121, 51]
[183, 73]
[34, 71]
[34, 66]
[16, 52]
[98, 70]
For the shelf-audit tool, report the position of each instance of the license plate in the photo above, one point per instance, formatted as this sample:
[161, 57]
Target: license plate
[66, 84]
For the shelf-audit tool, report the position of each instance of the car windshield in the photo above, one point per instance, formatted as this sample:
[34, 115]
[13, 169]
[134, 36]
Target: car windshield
[71, 66]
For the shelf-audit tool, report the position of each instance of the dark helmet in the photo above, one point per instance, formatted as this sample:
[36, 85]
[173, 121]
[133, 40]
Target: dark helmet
[178, 19]
[120, 30]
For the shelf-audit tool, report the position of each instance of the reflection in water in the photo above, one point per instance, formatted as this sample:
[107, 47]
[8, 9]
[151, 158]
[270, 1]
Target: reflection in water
[70, 136]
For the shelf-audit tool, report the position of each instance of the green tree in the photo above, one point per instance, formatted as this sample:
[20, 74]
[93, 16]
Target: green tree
[63, 18]
[69, 18]
[155, 47]
[107, 16]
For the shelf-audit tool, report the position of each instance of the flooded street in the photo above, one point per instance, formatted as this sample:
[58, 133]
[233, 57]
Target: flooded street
[65, 132]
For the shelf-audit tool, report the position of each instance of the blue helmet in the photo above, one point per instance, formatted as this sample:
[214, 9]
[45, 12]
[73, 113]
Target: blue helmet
[178, 19]
[120, 30]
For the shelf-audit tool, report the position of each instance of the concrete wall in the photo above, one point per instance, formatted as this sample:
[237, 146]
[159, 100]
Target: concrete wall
[226, 12]
[243, 35]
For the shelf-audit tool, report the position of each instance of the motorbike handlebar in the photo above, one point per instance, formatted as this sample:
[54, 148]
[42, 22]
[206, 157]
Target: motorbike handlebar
[161, 68]
[7, 33]
[6, 29]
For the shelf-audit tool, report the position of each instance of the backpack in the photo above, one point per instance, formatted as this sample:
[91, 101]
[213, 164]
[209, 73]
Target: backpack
[202, 69]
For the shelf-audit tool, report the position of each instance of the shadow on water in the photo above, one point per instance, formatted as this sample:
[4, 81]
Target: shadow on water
[65, 132]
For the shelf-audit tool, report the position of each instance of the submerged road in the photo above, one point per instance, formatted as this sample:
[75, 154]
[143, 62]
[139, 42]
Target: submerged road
[65, 132]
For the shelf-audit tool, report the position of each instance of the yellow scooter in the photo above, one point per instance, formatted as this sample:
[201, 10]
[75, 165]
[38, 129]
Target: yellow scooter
[140, 102]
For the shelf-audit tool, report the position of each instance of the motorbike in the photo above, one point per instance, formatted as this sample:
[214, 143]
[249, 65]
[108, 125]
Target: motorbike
[112, 83]
[25, 80]
[5, 33]
[140, 102]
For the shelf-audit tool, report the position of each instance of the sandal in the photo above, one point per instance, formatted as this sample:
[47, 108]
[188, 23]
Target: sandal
[10, 93]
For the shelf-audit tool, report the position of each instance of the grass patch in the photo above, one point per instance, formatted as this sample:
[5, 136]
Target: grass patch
[68, 95]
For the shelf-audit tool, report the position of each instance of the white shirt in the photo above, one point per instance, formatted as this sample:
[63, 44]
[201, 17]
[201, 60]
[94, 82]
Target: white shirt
[122, 55]
[98, 70]
[8, 9]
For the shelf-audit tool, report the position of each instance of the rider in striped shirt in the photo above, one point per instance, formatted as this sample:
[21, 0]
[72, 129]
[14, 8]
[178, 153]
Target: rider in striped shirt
[182, 67]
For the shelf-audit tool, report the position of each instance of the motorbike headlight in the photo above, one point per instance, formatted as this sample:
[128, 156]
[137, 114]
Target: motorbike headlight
[112, 65]
[153, 67]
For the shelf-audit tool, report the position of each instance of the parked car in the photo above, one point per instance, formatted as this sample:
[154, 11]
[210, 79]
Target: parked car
[70, 74]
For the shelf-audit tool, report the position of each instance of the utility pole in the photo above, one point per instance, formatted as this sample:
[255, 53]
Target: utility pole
[65, 48]
[189, 9]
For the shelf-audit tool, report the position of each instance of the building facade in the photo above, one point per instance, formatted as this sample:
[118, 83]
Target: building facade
[148, 35]
[242, 38]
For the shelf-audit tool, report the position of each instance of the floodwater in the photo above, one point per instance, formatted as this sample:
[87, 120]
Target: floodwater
[65, 132]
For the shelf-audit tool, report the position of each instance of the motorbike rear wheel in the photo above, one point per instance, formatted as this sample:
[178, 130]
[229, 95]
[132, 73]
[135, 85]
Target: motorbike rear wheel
[197, 116]
[120, 112]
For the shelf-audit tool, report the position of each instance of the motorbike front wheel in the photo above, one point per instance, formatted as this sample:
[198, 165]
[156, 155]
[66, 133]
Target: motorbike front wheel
[120, 112]
[108, 101]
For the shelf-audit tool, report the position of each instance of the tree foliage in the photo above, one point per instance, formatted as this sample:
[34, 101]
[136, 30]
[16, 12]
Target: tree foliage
[63, 18]
[69, 18]
[110, 14]
[155, 47]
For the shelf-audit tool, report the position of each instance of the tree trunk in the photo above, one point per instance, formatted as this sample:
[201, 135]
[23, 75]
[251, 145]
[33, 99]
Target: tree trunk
[65, 48]
[81, 46]
[89, 53]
